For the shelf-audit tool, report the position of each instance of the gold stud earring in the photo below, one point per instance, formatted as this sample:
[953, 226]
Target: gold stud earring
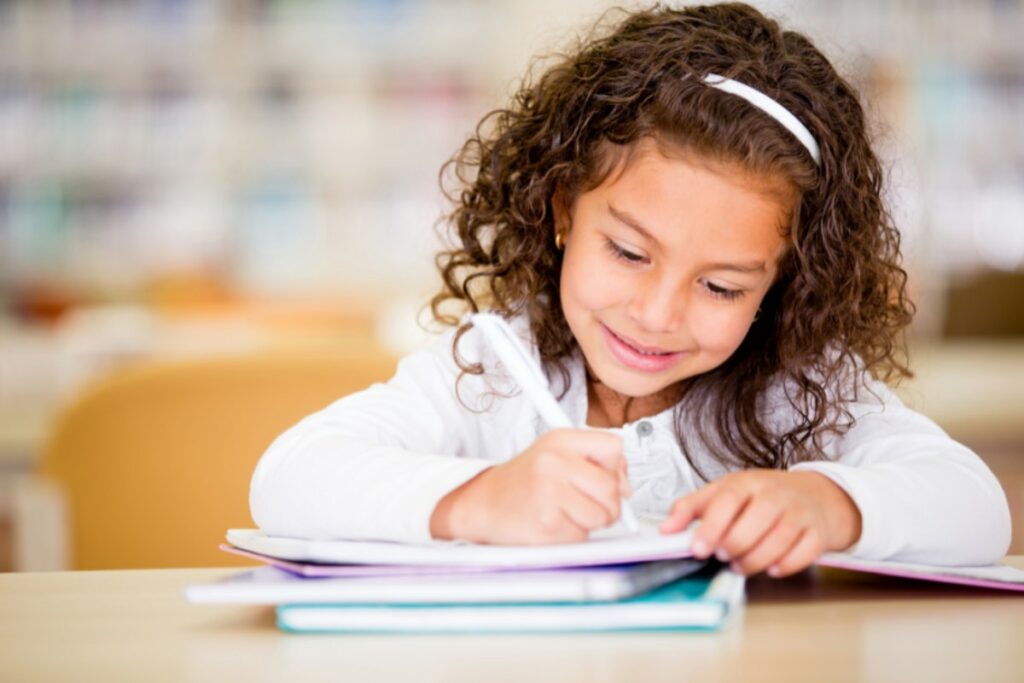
[559, 241]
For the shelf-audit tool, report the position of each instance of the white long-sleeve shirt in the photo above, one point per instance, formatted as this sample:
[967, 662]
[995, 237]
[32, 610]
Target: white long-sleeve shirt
[373, 465]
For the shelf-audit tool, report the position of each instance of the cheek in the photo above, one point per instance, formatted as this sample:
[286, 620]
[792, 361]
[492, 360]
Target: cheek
[722, 328]
[587, 283]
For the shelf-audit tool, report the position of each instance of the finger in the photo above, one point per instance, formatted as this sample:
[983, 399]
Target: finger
[806, 550]
[686, 509]
[780, 539]
[562, 529]
[621, 476]
[625, 488]
[718, 515]
[598, 484]
[601, 447]
[757, 518]
[585, 512]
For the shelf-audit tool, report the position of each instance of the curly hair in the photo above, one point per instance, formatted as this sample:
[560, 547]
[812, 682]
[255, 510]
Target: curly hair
[840, 299]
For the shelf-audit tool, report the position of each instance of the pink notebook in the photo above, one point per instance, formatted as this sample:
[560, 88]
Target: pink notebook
[998, 576]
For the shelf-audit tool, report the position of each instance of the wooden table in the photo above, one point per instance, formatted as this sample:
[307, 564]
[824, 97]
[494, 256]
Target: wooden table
[824, 625]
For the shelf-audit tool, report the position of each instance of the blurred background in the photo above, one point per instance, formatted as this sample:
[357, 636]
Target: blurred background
[186, 183]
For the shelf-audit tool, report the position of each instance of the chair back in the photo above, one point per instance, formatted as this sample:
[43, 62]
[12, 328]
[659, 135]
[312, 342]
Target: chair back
[154, 460]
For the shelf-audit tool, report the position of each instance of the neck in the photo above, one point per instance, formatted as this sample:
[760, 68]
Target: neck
[608, 408]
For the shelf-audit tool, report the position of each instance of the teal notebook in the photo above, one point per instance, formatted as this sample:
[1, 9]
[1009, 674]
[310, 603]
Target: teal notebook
[702, 601]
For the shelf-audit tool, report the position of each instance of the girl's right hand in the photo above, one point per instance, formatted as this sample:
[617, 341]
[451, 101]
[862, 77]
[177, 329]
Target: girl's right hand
[566, 484]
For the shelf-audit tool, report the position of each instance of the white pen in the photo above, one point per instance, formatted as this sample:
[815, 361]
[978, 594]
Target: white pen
[533, 383]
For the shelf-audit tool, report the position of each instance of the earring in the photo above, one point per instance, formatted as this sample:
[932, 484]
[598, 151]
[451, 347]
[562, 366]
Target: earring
[559, 241]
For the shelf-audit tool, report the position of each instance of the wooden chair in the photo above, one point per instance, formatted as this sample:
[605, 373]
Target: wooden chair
[154, 461]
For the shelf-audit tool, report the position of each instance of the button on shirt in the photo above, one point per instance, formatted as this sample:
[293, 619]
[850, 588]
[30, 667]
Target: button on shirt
[373, 465]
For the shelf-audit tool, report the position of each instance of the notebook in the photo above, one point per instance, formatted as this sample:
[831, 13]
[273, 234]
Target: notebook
[316, 570]
[697, 602]
[612, 547]
[996, 576]
[272, 586]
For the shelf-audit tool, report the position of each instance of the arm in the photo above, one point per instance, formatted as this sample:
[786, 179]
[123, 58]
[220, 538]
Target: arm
[374, 464]
[922, 496]
[895, 486]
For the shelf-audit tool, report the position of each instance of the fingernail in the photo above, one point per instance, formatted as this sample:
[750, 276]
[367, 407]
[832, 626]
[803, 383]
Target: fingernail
[700, 549]
[735, 566]
[774, 571]
[722, 554]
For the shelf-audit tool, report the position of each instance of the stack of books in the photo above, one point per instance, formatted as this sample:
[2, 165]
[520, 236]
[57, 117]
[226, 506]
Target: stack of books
[612, 582]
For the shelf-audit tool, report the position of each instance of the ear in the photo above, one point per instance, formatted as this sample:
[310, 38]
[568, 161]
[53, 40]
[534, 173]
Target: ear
[560, 209]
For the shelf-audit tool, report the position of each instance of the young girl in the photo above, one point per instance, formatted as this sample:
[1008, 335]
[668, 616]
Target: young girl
[684, 221]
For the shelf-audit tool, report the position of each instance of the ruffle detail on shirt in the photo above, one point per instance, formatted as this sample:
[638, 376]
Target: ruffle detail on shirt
[659, 473]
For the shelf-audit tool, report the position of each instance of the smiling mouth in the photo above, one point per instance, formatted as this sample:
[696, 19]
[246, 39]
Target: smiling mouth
[640, 358]
[640, 348]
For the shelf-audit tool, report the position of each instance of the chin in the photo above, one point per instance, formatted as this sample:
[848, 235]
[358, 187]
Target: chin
[627, 384]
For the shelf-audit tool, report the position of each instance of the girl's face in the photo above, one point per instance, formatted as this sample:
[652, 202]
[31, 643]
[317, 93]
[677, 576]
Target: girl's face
[665, 265]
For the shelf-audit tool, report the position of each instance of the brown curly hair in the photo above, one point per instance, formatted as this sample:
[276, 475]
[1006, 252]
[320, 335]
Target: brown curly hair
[839, 301]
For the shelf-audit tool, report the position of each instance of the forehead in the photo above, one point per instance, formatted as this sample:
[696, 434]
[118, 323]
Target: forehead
[672, 191]
[648, 151]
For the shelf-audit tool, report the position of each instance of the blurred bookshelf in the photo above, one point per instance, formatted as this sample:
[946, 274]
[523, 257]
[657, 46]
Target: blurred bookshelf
[282, 146]
[156, 151]
[290, 148]
[944, 88]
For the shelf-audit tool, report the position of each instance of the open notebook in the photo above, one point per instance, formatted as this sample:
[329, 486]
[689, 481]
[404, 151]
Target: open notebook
[609, 546]
[997, 576]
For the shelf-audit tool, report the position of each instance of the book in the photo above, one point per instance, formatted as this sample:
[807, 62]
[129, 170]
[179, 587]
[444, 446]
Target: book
[612, 546]
[997, 576]
[318, 570]
[272, 586]
[702, 601]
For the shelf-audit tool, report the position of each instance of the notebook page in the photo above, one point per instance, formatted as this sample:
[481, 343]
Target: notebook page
[612, 545]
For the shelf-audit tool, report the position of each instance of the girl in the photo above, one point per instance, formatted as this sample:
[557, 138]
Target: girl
[684, 220]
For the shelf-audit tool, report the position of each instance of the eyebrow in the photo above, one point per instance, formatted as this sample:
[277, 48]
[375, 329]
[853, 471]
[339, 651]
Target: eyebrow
[629, 220]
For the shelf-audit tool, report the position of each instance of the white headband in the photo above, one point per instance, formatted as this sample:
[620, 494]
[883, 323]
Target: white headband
[770, 107]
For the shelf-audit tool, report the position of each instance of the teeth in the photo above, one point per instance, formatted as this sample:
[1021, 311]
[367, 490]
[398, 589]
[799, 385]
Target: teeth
[643, 353]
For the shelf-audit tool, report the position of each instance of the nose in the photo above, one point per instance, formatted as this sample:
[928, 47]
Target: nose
[658, 305]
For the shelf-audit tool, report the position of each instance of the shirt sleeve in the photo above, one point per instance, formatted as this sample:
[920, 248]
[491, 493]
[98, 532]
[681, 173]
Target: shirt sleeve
[923, 497]
[372, 465]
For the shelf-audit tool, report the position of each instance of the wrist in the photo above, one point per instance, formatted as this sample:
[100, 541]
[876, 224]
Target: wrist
[842, 516]
[448, 521]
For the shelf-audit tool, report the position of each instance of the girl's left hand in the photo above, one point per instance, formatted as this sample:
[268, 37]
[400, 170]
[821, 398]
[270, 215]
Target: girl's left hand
[768, 520]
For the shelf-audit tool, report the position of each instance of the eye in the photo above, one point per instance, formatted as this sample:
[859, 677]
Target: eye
[620, 253]
[722, 292]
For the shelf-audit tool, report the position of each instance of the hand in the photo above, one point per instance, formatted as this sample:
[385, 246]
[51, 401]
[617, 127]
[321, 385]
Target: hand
[768, 520]
[567, 483]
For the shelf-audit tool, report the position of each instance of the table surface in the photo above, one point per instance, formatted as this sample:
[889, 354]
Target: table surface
[824, 624]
